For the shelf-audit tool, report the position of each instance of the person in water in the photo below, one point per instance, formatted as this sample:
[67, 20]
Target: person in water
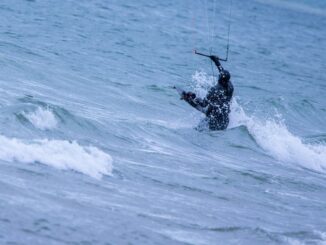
[216, 105]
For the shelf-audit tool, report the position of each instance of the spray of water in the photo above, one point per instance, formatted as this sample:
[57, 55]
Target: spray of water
[42, 118]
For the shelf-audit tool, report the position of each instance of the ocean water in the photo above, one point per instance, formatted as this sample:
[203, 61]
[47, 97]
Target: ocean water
[97, 148]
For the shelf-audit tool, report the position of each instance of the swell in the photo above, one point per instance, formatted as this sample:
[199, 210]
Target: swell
[30, 111]
[51, 135]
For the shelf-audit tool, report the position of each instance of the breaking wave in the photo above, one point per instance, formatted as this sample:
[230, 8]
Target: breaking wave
[275, 138]
[60, 154]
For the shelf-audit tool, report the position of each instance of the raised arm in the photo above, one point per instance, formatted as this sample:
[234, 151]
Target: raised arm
[217, 62]
[214, 58]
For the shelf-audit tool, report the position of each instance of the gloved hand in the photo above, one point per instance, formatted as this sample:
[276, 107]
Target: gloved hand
[214, 58]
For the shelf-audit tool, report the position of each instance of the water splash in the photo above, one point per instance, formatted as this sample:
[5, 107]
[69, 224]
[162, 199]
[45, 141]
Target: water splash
[202, 82]
[42, 118]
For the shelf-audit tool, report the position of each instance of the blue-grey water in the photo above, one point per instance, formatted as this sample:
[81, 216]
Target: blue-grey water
[97, 148]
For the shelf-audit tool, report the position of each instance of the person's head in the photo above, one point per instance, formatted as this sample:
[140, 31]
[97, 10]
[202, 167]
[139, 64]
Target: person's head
[224, 77]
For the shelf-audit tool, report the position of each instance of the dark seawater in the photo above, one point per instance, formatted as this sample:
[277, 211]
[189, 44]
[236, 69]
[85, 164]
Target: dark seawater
[97, 148]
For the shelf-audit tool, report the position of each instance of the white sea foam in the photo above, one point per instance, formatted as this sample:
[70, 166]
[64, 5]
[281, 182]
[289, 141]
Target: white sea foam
[273, 136]
[57, 153]
[42, 118]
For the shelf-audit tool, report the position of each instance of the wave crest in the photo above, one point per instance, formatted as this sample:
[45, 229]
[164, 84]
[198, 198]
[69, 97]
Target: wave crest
[275, 138]
[42, 118]
[60, 154]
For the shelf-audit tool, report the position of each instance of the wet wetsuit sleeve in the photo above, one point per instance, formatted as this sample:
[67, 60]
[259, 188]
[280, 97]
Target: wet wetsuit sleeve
[217, 63]
[197, 103]
[201, 102]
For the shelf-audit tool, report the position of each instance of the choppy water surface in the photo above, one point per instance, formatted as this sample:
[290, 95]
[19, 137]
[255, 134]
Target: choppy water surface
[97, 148]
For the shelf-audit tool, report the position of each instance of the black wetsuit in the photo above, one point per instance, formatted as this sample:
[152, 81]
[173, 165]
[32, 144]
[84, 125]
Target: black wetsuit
[216, 105]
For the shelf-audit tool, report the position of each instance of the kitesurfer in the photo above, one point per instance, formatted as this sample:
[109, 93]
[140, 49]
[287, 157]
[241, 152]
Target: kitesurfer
[216, 105]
